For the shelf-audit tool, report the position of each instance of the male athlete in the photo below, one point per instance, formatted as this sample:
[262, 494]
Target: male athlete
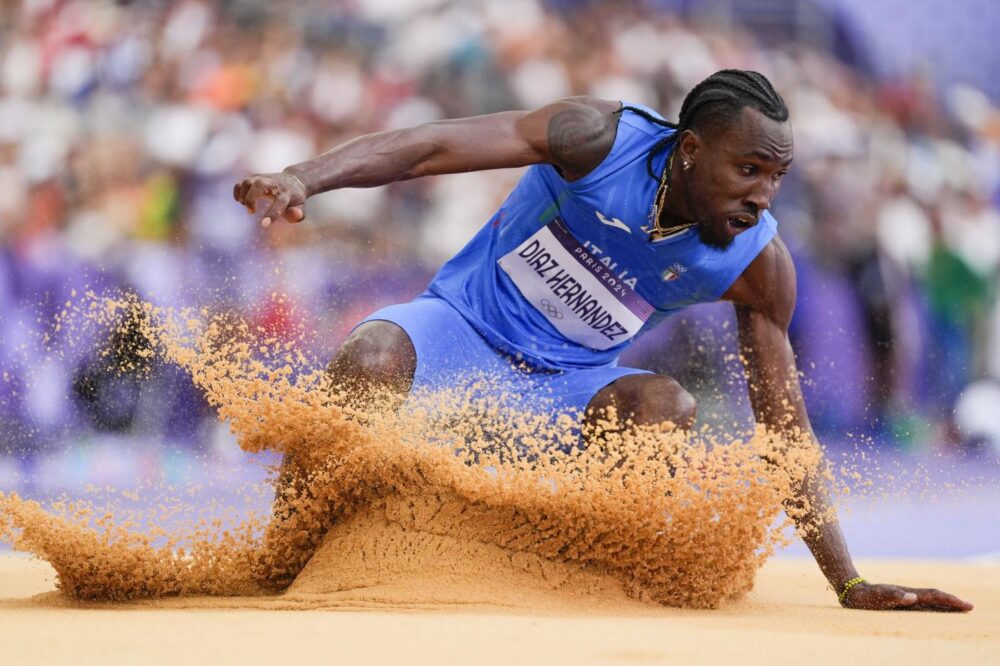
[622, 219]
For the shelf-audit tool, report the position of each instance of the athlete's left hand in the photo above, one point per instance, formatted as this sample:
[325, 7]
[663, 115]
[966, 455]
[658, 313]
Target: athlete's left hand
[875, 596]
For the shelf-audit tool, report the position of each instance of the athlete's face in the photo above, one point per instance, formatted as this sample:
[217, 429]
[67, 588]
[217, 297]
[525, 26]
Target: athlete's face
[736, 172]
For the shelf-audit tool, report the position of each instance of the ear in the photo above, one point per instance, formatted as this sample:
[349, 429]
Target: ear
[689, 147]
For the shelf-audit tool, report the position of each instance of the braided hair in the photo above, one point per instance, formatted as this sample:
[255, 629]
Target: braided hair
[715, 101]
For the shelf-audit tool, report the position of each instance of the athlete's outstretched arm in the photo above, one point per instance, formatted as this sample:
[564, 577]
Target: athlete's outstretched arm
[573, 134]
[765, 299]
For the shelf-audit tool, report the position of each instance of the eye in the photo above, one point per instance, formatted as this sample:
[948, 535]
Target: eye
[778, 176]
[748, 169]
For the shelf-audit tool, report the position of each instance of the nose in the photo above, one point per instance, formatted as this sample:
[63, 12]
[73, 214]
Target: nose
[760, 197]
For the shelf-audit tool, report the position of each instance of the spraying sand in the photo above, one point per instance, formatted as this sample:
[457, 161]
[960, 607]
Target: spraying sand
[453, 505]
[451, 484]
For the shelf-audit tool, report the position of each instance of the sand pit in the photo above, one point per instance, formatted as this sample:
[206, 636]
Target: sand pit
[465, 534]
[788, 617]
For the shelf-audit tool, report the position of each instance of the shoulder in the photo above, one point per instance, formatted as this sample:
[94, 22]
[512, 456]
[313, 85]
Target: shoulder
[579, 132]
[593, 111]
[768, 284]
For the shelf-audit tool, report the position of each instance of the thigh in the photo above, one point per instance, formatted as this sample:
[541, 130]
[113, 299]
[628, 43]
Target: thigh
[448, 352]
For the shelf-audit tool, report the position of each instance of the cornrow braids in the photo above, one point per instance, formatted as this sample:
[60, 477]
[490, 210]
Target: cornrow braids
[716, 99]
[735, 89]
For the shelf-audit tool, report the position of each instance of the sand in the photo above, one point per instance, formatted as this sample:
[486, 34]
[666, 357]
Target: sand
[462, 481]
[787, 618]
[450, 529]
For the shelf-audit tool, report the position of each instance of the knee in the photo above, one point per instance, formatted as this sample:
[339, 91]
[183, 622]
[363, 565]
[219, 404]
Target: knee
[660, 398]
[654, 399]
[376, 355]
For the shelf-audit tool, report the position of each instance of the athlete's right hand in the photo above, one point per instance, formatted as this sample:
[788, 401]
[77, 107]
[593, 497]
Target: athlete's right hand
[284, 193]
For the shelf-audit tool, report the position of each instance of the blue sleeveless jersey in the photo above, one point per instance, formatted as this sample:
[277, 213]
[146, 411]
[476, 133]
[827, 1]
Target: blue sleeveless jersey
[564, 274]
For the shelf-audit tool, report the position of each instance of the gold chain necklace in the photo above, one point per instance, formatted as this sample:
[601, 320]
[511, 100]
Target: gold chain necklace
[659, 232]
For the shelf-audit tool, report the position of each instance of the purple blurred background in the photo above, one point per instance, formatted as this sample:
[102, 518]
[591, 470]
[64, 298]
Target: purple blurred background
[124, 125]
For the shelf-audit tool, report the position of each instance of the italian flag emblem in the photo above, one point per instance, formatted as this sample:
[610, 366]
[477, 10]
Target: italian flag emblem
[673, 272]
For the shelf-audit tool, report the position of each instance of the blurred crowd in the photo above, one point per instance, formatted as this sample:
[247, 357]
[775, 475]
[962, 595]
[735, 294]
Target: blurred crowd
[125, 125]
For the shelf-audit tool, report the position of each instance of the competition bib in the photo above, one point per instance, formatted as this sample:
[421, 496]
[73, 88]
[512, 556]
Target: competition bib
[581, 297]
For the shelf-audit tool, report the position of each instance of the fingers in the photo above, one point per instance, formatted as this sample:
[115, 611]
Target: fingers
[281, 201]
[277, 208]
[260, 190]
[248, 191]
[893, 597]
[936, 600]
[280, 208]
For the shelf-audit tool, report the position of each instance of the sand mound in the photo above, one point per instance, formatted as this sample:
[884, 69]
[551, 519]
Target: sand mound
[450, 497]
[403, 553]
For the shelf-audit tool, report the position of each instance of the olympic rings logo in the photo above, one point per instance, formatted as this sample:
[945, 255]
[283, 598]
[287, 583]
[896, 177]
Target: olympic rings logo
[550, 309]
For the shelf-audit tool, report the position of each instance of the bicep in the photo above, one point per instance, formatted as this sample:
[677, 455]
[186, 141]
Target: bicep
[572, 135]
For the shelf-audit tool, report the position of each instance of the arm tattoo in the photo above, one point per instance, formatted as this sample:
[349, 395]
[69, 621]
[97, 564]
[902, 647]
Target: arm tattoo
[579, 139]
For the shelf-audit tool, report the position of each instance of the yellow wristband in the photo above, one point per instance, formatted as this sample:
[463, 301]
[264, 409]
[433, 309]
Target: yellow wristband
[847, 587]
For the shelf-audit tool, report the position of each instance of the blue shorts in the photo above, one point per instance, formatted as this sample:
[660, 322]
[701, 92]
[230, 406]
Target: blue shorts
[452, 355]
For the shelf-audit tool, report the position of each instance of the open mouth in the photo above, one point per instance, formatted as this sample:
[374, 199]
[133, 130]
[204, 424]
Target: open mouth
[742, 221]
